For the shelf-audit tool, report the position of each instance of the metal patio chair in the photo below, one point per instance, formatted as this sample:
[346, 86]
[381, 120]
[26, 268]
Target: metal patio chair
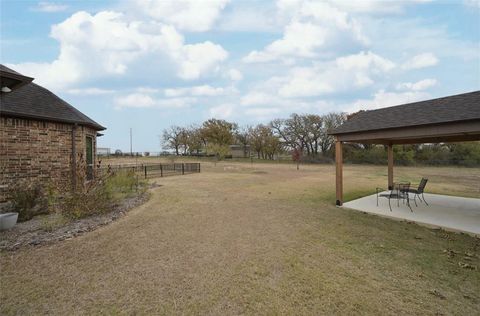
[399, 192]
[419, 191]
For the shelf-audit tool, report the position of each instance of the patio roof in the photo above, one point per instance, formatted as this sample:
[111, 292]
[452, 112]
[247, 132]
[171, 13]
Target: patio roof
[449, 119]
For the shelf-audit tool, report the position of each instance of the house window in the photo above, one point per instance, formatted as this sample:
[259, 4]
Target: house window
[89, 156]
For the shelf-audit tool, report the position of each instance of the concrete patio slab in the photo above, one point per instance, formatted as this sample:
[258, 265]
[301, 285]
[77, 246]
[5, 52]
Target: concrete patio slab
[449, 212]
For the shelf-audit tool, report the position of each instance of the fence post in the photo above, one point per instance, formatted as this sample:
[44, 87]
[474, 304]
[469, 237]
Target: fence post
[145, 167]
[161, 171]
[183, 168]
[198, 167]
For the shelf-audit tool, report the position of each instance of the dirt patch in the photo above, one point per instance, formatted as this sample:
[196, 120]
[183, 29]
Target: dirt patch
[34, 232]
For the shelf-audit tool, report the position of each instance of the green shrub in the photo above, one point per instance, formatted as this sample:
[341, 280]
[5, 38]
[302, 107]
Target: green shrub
[91, 198]
[100, 194]
[465, 154]
[403, 155]
[49, 223]
[28, 199]
[375, 155]
[123, 182]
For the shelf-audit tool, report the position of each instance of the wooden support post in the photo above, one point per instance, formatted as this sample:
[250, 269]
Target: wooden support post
[161, 170]
[145, 167]
[183, 168]
[390, 166]
[339, 172]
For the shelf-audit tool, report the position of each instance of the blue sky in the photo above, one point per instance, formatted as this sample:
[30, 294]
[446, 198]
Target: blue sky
[150, 64]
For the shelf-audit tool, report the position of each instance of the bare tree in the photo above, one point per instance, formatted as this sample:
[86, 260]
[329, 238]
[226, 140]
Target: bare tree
[194, 139]
[172, 138]
[299, 131]
[265, 143]
[330, 121]
[242, 137]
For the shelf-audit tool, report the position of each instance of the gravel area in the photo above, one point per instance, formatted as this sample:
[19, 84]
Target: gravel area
[34, 232]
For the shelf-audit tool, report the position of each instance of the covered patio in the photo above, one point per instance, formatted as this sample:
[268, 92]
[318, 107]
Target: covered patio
[449, 119]
[449, 212]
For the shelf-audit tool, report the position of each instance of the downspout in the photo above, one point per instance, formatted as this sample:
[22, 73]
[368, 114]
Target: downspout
[74, 157]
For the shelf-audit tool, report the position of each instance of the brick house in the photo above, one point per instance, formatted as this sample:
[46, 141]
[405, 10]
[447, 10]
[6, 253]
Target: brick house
[42, 137]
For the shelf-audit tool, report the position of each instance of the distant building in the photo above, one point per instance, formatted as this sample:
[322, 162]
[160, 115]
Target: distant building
[103, 151]
[240, 151]
[42, 137]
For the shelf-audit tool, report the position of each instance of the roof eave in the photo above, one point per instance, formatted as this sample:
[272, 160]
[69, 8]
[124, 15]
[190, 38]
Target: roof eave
[333, 133]
[95, 126]
[22, 80]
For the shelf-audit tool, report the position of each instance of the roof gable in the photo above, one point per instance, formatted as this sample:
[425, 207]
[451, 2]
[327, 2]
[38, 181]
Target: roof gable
[11, 79]
[34, 101]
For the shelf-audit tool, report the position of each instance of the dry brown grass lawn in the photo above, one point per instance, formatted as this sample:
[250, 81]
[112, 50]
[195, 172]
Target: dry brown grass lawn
[262, 239]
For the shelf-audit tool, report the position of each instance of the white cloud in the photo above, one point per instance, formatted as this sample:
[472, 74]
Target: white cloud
[345, 73]
[311, 26]
[188, 15]
[417, 86]
[235, 74]
[421, 61]
[249, 19]
[262, 113]
[258, 98]
[197, 59]
[50, 7]
[223, 111]
[140, 100]
[135, 100]
[90, 91]
[146, 90]
[365, 61]
[257, 102]
[306, 82]
[107, 44]
[204, 90]
[383, 98]
[299, 39]
[376, 6]
[472, 3]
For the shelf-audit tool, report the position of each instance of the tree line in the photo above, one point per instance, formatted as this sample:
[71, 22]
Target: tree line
[306, 133]
[305, 137]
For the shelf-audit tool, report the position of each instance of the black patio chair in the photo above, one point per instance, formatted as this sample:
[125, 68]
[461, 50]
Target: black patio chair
[419, 191]
[399, 192]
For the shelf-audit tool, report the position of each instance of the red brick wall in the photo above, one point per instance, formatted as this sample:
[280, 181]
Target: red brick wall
[38, 151]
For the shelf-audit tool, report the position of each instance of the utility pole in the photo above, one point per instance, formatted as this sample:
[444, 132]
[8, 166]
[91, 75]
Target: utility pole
[131, 151]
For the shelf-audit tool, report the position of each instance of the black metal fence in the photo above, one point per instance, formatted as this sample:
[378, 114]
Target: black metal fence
[152, 170]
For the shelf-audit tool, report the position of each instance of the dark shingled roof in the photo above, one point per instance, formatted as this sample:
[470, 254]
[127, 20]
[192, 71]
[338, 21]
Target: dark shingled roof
[34, 101]
[460, 107]
[6, 69]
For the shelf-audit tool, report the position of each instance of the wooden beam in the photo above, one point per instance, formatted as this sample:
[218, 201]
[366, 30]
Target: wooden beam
[425, 140]
[390, 166]
[339, 172]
